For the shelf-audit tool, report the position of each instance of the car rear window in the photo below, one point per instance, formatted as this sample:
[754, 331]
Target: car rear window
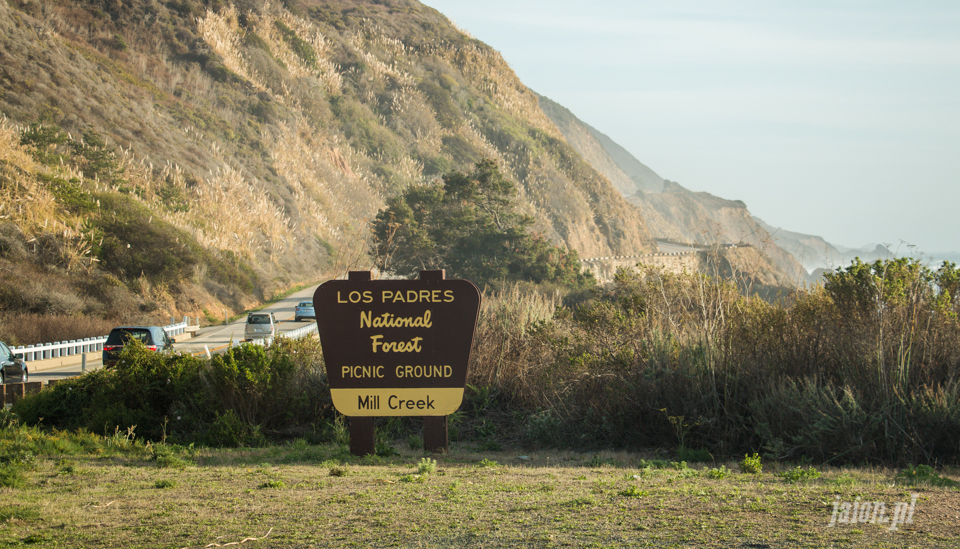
[120, 337]
[306, 304]
[258, 319]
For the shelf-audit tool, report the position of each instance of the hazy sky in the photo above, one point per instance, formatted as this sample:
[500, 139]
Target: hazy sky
[834, 118]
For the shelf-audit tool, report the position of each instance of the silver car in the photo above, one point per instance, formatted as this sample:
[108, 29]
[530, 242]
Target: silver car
[259, 326]
[12, 367]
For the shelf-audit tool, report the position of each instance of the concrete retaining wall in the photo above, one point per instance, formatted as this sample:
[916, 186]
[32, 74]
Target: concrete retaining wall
[604, 268]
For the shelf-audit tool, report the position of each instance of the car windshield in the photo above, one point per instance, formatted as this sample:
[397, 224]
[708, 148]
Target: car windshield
[119, 337]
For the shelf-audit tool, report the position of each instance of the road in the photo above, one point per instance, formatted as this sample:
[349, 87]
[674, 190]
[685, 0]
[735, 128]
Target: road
[208, 337]
[670, 248]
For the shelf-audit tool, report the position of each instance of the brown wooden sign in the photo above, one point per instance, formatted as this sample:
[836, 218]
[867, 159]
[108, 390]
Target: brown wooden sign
[397, 347]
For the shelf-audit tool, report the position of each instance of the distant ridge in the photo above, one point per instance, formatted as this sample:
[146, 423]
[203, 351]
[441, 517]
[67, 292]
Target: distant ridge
[669, 210]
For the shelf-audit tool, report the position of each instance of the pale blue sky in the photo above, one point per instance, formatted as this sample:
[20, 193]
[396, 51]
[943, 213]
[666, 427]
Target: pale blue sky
[835, 118]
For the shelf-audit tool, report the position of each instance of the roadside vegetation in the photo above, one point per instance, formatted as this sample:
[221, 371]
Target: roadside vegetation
[860, 370]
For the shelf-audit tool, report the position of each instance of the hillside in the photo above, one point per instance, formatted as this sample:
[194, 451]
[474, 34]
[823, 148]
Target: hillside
[671, 211]
[261, 138]
[813, 252]
[627, 174]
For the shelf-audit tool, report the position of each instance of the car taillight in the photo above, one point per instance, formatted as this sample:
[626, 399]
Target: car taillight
[111, 347]
[151, 347]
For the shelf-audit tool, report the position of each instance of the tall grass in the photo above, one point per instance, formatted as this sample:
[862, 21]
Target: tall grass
[504, 354]
[32, 328]
[863, 369]
[827, 376]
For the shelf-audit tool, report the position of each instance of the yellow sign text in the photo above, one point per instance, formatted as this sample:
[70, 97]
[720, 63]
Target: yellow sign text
[412, 346]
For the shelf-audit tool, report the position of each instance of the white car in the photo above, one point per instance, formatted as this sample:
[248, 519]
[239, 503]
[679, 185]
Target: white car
[259, 326]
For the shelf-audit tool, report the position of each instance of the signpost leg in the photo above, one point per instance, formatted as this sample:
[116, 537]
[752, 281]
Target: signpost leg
[435, 435]
[362, 436]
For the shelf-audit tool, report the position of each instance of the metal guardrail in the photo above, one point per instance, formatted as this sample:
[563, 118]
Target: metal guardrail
[292, 334]
[659, 254]
[79, 346]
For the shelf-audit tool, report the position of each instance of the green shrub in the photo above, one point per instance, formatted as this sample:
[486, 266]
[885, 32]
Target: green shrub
[427, 465]
[798, 474]
[299, 46]
[633, 492]
[547, 428]
[923, 474]
[167, 458]
[248, 380]
[751, 464]
[228, 431]
[384, 448]
[11, 476]
[718, 473]
[139, 391]
[48, 143]
[19, 512]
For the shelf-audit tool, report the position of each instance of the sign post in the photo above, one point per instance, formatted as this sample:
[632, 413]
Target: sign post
[397, 348]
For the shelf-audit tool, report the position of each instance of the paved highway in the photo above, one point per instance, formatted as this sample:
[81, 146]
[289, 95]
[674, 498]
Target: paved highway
[670, 248]
[208, 337]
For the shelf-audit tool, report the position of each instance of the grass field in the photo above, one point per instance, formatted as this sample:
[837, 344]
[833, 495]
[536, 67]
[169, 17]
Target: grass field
[302, 495]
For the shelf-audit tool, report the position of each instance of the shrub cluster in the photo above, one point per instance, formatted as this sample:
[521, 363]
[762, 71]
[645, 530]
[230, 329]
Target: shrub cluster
[238, 398]
[861, 369]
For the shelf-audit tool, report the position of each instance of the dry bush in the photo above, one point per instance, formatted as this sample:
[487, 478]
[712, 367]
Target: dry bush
[660, 359]
[504, 356]
[32, 328]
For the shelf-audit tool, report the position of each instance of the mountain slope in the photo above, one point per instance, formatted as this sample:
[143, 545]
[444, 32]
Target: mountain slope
[670, 211]
[813, 252]
[269, 135]
[627, 174]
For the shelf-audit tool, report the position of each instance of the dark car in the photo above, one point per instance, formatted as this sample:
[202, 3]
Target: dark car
[12, 367]
[154, 338]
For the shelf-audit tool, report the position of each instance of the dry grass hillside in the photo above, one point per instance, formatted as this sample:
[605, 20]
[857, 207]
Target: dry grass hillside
[263, 137]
